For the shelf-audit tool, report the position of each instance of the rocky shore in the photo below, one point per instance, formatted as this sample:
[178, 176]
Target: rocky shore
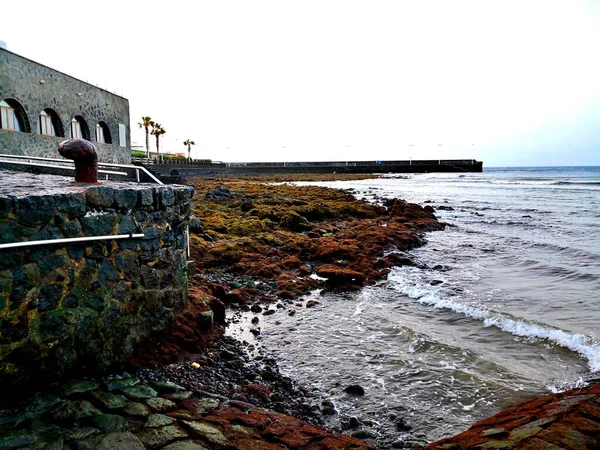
[258, 248]
[254, 245]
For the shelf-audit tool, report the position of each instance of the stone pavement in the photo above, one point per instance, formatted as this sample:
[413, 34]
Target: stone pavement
[568, 420]
[125, 414]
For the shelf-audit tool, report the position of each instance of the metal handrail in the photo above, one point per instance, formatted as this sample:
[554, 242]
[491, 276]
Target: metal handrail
[69, 240]
[40, 158]
[56, 166]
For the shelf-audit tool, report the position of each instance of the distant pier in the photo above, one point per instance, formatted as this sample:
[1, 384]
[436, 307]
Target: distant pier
[184, 168]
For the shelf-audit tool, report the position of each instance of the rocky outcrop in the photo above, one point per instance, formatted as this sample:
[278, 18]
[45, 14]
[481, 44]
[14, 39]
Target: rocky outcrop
[284, 241]
[128, 414]
[568, 420]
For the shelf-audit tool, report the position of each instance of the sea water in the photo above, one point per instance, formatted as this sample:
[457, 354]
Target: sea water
[505, 306]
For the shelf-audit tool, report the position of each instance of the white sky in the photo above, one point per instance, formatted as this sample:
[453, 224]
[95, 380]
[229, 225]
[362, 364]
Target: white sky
[510, 82]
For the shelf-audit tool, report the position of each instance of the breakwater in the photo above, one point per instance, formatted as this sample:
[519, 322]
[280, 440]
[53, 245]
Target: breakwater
[191, 169]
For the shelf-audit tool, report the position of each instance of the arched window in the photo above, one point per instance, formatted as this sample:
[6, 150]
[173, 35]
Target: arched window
[103, 133]
[13, 117]
[79, 128]
[50, 124]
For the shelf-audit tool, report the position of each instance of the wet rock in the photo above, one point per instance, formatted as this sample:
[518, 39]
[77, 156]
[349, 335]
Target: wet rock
[110, 401]
[17, 439]
[114, 441]
[159, 437]
[69, 411]
[165, 387]
[78, 387]
[139, 392]
[159, 404]
[355, 389]
[108, 423]
[116, 385]
[219, 194]
[309, 304]
[494, 432]
[206, 405]
[361, 434]
[184, 445]
[337, 275]
[256, 308]
[136, 409]
[235, 296]
[206, 431]
[158, 420]
[401, 424]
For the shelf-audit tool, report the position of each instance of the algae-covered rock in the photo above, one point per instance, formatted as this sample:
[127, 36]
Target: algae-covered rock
[136, 409]
[160, 404]
[17, 439]
[113, 441]
[117, 385]
[108, 423]
[78, 387]
[109, 400]
[184, 445]
[158, 420]
[158, 437]
[69, 411]
[165, 387]
[206, 431]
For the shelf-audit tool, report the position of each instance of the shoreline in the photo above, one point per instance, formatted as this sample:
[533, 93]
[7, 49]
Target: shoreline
[256, 252]
[258, 249]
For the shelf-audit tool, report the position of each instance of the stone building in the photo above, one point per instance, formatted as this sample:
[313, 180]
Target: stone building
[39, 107]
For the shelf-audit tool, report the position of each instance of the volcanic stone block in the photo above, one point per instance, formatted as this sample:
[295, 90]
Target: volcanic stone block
[5, 207]
[146, 197]
[51, 262]
[126, 198]
[100, 197]
[99, 224]
[107, 272]
[127, 262]
[49, 297]
[127, 225]
[167, 198]
[35, 210]
[72, 204]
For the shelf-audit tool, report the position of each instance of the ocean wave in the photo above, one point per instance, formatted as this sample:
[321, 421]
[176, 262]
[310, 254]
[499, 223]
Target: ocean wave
[585, 183]
[579, 343]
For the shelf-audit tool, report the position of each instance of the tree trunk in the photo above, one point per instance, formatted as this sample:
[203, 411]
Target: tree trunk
[147, 145]
[157, 150]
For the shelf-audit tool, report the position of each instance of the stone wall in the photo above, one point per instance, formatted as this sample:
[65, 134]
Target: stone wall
[81, 307]
[37, 87]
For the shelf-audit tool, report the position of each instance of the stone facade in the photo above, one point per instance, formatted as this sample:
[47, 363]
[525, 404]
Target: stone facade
[81, 307]
[36, 88]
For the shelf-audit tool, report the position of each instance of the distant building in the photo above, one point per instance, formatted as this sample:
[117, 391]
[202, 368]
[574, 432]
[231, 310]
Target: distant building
[39, 107]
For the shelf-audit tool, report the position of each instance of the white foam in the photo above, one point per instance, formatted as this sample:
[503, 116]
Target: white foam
[426, 295]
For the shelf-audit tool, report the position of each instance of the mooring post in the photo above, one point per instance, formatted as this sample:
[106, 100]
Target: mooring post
[83, 153]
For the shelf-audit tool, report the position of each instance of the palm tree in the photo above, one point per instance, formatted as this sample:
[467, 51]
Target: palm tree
[145, 124]
[158, 131]
[189, 144]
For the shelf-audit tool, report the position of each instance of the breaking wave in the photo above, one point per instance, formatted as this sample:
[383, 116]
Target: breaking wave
[579, 343]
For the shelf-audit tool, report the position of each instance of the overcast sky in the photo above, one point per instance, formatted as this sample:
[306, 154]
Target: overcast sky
[509, 82]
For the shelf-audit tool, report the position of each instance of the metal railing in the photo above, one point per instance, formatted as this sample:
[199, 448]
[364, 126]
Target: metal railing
[67, 164]
[71, 240]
